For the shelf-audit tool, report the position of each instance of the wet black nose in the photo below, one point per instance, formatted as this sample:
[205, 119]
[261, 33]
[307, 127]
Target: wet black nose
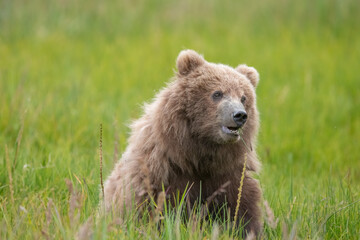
[240, 118]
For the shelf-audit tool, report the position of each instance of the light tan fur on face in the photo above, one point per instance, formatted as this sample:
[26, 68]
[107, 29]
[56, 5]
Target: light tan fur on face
[177, 140]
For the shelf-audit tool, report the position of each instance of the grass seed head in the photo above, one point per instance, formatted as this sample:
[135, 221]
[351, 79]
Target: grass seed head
[85, 231]
[240, 191]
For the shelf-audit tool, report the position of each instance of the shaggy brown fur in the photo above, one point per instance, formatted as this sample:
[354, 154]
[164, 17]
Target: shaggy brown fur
[179, 140]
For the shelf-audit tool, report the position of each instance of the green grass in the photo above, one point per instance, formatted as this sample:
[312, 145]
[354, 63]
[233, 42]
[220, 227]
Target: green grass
[67, 66]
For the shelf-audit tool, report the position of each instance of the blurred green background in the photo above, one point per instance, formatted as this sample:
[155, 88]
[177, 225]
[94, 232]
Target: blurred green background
[67, 66]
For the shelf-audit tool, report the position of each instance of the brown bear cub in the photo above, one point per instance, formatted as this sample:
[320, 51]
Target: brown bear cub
[196, 132]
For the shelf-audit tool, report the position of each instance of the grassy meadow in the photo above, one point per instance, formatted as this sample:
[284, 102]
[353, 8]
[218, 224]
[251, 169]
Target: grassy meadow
[68, 66]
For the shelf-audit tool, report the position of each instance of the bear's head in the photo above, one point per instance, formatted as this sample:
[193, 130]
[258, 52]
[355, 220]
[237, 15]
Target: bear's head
[220, 101]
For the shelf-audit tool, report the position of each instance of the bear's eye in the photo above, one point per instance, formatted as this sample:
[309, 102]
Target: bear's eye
[243, 99]
[217, 95]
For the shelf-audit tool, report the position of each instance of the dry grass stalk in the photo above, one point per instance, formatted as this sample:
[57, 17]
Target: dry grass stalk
[240, 191]
[85, 231]
[23, 209]
[71, 200]
[188, 205]
[159, 206]
[48, 213]
[45, 231]
[177, 229]
[251, 236]
[70, 186]
[18, 142]
[270, 217]
[193, 222]
[74, 203]
[291, 207]
[293, 232]
[242, 139]
[285, 232]
[219, 191]
[101, 162]
[8, 164]
[215, 232]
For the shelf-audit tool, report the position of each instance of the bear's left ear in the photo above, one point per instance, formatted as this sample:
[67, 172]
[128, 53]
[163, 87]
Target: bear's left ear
[188, 60]
[250, 73]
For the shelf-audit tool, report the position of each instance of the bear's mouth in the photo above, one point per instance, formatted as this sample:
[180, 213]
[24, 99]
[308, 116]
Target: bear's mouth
[231, 130]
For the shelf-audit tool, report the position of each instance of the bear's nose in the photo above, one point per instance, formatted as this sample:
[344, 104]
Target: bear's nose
[240, 118]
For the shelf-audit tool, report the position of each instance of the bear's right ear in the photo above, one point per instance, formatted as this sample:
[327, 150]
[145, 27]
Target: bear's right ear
[188, 60]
